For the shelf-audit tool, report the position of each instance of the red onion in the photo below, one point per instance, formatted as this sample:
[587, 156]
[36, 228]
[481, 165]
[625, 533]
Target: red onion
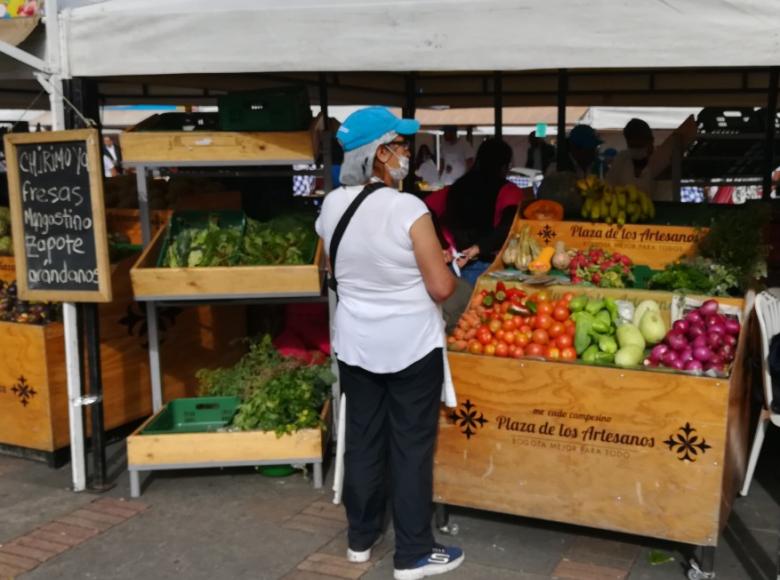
[717, 361]
[702, 354]
[669, 358]
[686, 354]
[730, 340]
[714, 319]
[714, 340]
[659, 350]
[716, 328]
[681, 326]
[693, 317]
[678, 365]
[699, 341]
[727, 352]
[676, 340]
[732, 326]
[695, 330]
[694, 366]
[708, 308]
[651, 363]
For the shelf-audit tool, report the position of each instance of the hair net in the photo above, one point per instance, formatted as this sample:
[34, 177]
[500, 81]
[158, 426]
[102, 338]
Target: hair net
[358, 165]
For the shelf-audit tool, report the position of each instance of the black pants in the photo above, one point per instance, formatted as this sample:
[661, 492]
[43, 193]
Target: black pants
[392, 420]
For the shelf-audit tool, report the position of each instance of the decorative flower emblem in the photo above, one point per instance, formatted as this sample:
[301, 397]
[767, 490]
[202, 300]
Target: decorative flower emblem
[467, 420]
[687, 445]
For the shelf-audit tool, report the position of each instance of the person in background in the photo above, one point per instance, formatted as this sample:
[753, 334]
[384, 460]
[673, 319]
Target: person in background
[388, 340]
[540, 153]
[112, 157]
[582, 159]
[480, 208]
[425, 166]
[457, 156]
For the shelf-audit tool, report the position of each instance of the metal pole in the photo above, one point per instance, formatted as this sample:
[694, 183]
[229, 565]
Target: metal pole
[498, 104]
[75, 422]
[771, 118]
[143, 205]
[563, 89]
[155, 368]
[327, 153]
[92, 334]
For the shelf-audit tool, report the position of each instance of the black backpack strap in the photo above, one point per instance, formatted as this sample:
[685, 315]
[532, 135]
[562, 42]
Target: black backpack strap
[341, 227]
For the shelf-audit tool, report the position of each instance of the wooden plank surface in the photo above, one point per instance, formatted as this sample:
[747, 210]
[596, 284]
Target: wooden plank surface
[139, 147]
[586, 445]
[151, 281]
[7, 268]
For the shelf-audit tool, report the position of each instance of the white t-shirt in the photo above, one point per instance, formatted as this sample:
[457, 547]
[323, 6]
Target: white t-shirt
[453, 159]
[622, 173]
[108, 165]
[385, 319]
[428, 172]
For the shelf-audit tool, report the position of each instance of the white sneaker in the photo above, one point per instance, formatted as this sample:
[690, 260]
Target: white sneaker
[440, 561]
[365, 555]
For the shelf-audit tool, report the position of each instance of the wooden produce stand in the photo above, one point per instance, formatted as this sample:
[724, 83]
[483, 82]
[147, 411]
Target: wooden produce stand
[33, 391]
[157, 452]
[180, 286]
[647, 452]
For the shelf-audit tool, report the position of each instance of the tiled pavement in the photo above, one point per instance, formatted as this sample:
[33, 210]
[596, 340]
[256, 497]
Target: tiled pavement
[238, 524]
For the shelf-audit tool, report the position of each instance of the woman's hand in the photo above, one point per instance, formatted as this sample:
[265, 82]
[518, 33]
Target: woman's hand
[469, 254]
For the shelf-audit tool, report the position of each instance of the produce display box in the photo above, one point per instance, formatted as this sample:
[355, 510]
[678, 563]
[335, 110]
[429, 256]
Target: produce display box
[649, 452]
[7, 268]
[153, 283]
[200, 220]
[156, 452]
[33, 387]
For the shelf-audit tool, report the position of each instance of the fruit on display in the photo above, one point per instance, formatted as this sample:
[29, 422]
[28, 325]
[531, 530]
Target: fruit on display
[543, 262]
[614, 204]
[544, 209]
[562, 258]
[601, 268]
[524, 250]
[652, 327]
[704, 339]
[506, 322]
[12, 309]
[6, 246]
[595, 327]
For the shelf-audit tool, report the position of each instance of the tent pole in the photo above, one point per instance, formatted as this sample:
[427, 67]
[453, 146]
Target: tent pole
[563, 89]
[498, 104]
[327, 153]
[771, 118]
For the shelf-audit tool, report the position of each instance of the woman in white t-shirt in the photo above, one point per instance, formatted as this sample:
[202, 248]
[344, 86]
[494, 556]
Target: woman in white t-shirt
[388, 340]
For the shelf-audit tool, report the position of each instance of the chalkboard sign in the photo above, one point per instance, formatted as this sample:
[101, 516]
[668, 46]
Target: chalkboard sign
[58, 219]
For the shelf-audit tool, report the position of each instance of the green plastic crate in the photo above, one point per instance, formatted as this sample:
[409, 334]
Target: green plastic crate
[279, 109]
[194, 415]
[200, 219]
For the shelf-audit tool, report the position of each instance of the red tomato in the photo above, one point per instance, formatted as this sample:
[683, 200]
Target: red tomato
[543, 321]
[521, 339]
[541, 296]
[556, 329]
[494, 326]
[552, 352]
[540, 336]
[519, 321]
[509, 337]
[509, 325]
[568, 297]
[544, 308]
[505, 307]
[518, 353]
[570, 326]
[531, 321]
[560, 313]
[563, 341]
[490, 350]
[499, 335]
[568, 353]
[502, 349]
[484, 337]
[525, 329]
[534, 349]
[475, 348]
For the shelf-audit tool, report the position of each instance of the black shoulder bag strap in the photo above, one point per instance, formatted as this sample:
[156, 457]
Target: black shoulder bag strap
[341, 227]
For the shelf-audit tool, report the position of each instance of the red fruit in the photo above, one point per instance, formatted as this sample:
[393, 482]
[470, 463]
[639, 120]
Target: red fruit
[596, 279]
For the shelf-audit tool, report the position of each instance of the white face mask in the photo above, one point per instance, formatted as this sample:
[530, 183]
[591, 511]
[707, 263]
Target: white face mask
[399, 173]
[638, 153]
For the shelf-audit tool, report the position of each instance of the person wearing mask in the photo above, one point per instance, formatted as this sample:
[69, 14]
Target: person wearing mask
[480, 208]
[388, 339]
[582, 159]
[540, 153]
[632, 166]
[425, 166]
[457, 156]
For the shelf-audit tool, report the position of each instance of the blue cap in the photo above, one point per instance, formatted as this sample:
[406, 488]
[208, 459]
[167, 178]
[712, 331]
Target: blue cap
[369, 124]
[584, 137]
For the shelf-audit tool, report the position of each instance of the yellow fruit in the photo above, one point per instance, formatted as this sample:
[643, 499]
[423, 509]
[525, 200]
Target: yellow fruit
[608, 219]
[613, 209]
[595, 212]
[621, 199]
[621, 218]
[632, 194]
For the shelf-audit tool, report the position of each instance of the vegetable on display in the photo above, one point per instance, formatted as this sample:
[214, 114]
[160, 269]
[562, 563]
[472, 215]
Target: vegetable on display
[12, 309]
[277, 393]
[6, 246]
[601, 268]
